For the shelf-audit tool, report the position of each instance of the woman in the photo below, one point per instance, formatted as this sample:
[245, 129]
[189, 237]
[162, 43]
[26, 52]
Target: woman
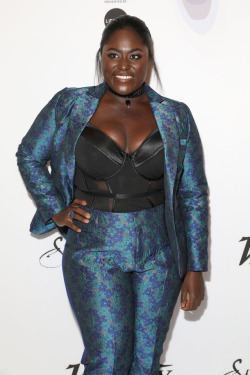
[128, 190]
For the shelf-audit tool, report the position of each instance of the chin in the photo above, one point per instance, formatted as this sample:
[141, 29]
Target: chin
[125, 89]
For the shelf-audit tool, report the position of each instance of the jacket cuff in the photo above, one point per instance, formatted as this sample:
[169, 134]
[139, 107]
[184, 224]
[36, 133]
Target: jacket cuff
[51, 210]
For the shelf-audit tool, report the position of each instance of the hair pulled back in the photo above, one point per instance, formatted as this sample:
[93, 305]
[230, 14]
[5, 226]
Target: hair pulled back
[126, 22]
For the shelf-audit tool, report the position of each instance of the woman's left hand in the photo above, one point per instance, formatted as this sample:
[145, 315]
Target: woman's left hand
[192, 290]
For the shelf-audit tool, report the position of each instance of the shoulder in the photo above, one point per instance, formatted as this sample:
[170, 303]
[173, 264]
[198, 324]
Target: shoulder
[67, 97]
[176, 110]
[182, 115]
[69, 94]
[184, 118]
[177, 106]
[170, 104]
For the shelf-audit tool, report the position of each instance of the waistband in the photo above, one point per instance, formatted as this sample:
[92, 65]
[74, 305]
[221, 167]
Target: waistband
[148, 216]
[122, 196]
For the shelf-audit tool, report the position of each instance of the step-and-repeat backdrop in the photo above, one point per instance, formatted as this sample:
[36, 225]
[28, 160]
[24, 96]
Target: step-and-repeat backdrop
[202, 50]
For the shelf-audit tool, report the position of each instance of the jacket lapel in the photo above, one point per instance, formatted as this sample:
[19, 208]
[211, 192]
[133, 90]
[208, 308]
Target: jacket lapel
[82, 111]
[166, 122]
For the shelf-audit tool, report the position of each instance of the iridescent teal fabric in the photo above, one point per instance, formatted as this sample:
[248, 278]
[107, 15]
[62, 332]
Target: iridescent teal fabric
[53, 137]
[122, 284]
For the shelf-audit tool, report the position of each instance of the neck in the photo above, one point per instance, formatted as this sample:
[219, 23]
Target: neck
[134, 94]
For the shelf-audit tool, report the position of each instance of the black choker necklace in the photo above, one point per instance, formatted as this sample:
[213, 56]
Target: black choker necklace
[134, 94]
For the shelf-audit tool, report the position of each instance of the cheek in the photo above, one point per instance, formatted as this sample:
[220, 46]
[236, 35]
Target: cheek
[142, 69]
[103, 66]
[107, 69]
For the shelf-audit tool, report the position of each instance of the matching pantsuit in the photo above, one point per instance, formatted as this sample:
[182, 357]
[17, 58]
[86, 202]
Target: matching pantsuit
[123, 272]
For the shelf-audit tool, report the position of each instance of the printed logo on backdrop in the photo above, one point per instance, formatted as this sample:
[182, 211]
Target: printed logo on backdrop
[112, 14]
[246, 251]
[74, 369]
[52, 258]
[115, 1]
[164, 369]
[238, 368]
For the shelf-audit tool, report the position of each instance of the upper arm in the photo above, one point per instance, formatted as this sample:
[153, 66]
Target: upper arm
[38, 139]
[193, 177]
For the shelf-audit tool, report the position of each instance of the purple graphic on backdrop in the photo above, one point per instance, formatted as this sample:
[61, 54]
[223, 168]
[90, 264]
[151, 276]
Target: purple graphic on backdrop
[197, 9]
[200, 15]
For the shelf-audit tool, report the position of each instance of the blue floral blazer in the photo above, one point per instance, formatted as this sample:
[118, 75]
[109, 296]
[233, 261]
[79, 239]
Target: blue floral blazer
[53, 136]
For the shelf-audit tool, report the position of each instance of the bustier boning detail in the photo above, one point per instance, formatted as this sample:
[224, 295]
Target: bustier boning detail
[110, 179]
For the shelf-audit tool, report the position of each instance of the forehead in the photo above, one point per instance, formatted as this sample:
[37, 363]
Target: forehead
[124, 38]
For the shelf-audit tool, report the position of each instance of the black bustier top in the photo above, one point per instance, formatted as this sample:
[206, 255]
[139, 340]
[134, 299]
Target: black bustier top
[110, 179]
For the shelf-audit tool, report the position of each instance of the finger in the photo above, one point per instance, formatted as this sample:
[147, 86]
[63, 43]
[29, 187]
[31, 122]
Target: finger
[197, 303]
[82, 202]
[80, 218]
[72, 226]
[195, 306]
[186, 307]
[191, 302]
[183, 297]
[81, 212]
[189, 307]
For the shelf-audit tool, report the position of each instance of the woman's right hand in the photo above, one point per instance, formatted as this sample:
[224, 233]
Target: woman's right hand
[62, 218]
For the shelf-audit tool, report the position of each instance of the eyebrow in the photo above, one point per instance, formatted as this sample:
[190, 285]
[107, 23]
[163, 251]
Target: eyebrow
[118, 50]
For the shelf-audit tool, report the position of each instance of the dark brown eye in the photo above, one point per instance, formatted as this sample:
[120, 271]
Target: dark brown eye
[112, 55]
[135, 56]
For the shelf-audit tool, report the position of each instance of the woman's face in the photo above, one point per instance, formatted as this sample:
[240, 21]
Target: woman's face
[125, 61]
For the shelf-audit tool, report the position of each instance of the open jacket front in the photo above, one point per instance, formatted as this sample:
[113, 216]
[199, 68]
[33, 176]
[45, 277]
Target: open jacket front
[54, 134]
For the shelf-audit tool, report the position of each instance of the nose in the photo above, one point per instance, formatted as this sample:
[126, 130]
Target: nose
[124, 63]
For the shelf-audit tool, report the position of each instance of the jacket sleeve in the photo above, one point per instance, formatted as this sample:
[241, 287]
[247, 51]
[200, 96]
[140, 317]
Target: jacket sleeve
[192, 194]
[32, 156]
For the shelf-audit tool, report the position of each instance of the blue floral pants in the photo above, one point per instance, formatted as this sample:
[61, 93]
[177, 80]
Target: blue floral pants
[122, 285]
